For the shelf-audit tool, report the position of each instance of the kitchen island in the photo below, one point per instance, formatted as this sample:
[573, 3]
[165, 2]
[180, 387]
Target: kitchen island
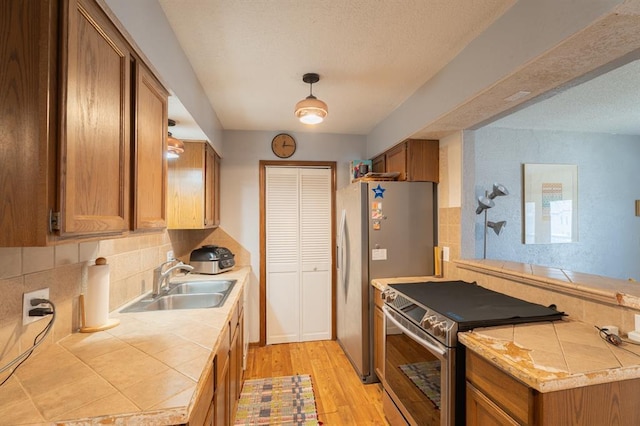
[153, 368]
[550, 373]
[560, 372]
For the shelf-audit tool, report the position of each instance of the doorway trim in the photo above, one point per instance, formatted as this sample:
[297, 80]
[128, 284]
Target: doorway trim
[263, 237]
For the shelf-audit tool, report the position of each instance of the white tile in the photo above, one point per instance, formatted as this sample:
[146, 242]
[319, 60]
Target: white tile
[89, 251]
[66, 254]
[36, 259]
[10, 262]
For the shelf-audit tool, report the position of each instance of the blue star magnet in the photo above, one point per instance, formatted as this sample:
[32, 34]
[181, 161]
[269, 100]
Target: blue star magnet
[378, 191]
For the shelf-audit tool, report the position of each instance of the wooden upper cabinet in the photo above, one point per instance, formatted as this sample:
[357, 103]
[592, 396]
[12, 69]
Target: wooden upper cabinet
[415, 159]
[28, 113]
[378, 164]
[149, 151]
[95, 133]
[193, 188]
[69, 80]
[396, 160]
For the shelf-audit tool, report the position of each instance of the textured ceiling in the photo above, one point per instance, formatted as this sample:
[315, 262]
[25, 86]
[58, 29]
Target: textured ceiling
[371, 55]
[609, 103]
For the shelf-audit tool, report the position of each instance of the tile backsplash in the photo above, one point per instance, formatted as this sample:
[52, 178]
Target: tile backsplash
[63, 269]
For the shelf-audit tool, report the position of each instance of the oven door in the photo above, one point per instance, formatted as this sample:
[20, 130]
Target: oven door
[419, 372]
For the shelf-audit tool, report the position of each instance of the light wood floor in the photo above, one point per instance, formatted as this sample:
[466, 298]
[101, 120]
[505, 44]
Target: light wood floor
[341, 397]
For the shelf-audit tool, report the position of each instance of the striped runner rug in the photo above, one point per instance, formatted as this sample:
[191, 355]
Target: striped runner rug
[287, 400]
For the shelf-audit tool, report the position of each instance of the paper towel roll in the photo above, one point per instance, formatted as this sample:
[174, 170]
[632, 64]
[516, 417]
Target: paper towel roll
[96, 299]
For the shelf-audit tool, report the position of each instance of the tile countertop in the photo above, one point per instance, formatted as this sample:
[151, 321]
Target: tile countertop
[552, 356]
[146, 370]
[547, 356]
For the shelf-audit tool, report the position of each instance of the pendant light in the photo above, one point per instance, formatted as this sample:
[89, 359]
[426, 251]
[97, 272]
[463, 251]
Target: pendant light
[175, 147]
[311, 110]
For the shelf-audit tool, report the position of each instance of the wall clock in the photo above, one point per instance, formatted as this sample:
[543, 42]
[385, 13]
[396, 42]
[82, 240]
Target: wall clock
[283, 145]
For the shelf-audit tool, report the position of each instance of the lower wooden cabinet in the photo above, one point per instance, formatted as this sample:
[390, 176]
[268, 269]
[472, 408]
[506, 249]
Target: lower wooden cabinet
[497, 398]
[235, 361]
[218, 401]
[378, 335]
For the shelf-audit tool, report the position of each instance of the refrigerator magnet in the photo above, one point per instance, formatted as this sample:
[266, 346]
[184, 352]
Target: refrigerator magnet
[378, 192]
[376, 225]
[376, 214]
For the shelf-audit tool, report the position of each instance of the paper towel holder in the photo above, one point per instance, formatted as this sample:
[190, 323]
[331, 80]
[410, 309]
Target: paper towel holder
[110, 323]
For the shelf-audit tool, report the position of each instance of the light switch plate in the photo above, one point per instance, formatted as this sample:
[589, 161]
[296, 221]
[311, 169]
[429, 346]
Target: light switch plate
[169, 255]
[445, 254]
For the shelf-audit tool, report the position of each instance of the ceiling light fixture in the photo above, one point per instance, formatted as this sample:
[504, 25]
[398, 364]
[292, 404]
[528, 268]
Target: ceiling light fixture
[175, 147]
[311, 110]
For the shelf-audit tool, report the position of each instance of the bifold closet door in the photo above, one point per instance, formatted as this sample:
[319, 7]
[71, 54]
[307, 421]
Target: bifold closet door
[298, 254]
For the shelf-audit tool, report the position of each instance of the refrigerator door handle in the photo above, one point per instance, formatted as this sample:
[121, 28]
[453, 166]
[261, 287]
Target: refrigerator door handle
[342, 266]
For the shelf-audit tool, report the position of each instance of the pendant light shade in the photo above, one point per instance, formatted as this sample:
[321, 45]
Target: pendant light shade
[175, 147]
[311, 110]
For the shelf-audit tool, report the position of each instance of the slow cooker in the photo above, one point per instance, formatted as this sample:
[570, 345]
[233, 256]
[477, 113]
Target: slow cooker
[211, 259]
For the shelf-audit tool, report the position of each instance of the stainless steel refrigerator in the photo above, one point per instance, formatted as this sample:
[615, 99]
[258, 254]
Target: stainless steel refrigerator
[386, 229]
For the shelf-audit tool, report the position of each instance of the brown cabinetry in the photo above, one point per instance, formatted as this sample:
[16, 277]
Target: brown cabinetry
[221, 412]
[414, 159]
[67, 111]
[235, 360]
[217, 402]
[378, 335]
[497, 398]
[193, 188]
[149, 152]
[95, 117]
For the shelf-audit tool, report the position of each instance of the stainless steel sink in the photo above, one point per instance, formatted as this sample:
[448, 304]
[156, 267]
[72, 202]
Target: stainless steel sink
[190, 287]
[186, 295]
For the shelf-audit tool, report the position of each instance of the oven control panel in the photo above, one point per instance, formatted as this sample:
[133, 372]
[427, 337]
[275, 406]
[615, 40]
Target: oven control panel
[437, 325]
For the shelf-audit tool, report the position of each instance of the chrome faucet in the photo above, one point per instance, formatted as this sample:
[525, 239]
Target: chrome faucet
[161, 277]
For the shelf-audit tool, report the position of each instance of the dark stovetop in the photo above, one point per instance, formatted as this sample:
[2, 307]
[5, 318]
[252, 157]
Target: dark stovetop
[473, 306]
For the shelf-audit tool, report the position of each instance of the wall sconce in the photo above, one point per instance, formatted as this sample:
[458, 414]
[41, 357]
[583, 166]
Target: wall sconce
[485, 202]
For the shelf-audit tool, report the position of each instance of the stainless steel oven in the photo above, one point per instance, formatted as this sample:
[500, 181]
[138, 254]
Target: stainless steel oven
[424, 364]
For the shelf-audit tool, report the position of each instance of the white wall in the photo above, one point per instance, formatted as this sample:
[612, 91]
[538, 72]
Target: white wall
[240, 192]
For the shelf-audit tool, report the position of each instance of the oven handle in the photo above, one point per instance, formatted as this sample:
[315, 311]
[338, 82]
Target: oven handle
[426, 343]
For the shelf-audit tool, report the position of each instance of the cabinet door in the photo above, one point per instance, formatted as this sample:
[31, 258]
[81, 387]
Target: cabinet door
[396, 160]
[193, 188]
[150, 146]
[221, 398]
[378, 164]
[95, 136]
[481, 411]
[234, 379]
[423, 160]
[28, 114]
[209, 187]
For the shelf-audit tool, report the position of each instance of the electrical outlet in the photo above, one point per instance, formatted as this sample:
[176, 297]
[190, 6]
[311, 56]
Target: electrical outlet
[43, 293]
[169, 255]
